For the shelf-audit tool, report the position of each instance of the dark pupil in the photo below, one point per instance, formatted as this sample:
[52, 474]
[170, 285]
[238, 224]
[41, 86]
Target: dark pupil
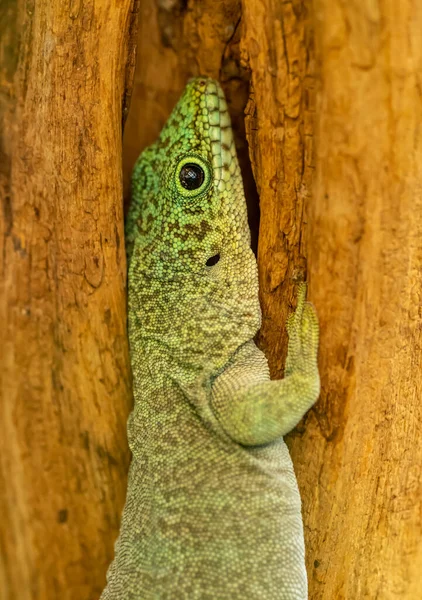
[191, 176]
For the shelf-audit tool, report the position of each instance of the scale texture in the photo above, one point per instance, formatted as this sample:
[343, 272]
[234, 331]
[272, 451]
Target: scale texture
[213, 509]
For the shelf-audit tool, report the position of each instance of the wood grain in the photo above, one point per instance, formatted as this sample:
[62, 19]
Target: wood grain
[277, 46]
[65, 378]
[359, 460]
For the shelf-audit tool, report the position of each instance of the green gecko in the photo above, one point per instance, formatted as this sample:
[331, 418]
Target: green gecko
[213, 509]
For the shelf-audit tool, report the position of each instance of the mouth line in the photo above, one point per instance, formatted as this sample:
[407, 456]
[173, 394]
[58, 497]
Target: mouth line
[219, 130]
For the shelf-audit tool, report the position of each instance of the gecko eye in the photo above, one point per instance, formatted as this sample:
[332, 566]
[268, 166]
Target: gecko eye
[192, 176]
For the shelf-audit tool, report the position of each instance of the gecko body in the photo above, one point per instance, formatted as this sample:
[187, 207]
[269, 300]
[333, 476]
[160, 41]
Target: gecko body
[213, 509]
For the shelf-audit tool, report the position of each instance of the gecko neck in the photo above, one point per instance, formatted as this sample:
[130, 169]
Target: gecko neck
[183, 331]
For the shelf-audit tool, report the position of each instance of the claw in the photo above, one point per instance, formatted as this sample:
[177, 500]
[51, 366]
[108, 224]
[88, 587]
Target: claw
[310, 326]
[290, 323]
[297, 315]
[301, 294]
[303, 330]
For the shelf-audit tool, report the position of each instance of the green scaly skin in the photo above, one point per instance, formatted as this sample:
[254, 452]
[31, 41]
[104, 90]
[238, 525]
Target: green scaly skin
[212, 510]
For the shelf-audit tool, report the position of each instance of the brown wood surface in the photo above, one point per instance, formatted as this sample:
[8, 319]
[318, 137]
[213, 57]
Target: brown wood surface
[65, 379]
[359, 460]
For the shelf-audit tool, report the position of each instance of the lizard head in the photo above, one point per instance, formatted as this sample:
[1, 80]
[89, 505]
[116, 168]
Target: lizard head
[187, 232]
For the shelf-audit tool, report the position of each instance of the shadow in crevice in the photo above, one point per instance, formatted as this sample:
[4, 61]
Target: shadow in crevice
[235, 80]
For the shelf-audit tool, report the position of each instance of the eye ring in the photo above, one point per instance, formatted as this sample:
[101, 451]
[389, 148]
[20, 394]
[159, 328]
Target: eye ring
[192, 176]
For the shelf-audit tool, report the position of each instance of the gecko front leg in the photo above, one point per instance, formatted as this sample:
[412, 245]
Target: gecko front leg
[254, 410]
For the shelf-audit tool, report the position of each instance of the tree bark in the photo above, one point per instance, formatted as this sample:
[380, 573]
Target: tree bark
[330, 88]
[65, 378]
[359, 459]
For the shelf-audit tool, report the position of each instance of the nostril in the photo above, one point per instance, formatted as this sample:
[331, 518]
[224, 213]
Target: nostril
[213, 260]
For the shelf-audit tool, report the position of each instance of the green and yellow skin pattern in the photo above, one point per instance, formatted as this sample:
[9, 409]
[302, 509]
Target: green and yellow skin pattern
[213, 509]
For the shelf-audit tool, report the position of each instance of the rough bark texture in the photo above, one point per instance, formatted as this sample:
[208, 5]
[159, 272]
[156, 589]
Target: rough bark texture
[331, 87]
[277, 45]
[65, 381]
[359, 461]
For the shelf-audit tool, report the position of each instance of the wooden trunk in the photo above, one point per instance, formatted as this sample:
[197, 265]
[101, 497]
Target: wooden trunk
[325, 103]
[65, 378]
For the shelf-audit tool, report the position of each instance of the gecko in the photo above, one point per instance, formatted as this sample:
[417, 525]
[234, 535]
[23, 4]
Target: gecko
[212, 509]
